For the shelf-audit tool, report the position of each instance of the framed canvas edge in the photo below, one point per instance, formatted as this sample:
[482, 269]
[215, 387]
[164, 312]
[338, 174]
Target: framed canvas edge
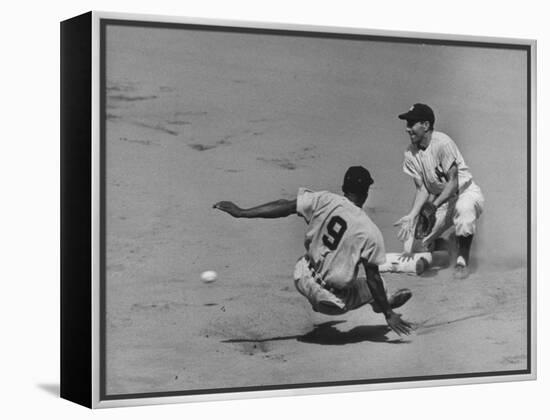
[98, 402]
[335, 389]
[96, 212]
[532, 201]
[246, 24]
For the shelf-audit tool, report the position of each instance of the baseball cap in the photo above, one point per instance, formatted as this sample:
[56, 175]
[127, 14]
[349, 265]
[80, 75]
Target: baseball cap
[418, 112]
[357, 179]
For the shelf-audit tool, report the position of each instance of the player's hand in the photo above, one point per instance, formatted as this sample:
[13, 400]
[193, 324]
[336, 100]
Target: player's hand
[406, 226]
[228, 207]
[405, 256]
[397, 324]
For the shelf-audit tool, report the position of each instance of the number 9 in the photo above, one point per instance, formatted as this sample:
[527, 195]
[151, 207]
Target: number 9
[336, 228]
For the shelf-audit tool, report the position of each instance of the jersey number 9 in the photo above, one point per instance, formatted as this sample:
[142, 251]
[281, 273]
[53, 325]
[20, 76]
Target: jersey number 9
[336, 228]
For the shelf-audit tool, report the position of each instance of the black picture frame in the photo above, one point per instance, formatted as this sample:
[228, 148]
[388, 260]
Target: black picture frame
[84, 115]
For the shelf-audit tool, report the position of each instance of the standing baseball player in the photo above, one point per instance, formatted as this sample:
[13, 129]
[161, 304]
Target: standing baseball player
[339, 240]
[444, 185]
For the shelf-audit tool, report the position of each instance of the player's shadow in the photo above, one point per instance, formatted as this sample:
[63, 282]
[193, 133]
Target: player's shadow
[327, 334]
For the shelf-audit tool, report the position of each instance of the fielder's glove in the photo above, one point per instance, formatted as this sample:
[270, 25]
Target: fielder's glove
[426, 220]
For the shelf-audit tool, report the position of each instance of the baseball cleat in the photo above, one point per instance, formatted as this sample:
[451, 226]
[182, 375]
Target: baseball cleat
[396, 300]
[461, 272]
[399, 298]
[421, 266]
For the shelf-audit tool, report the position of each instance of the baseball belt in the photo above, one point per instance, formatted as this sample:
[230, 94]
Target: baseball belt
[318, 279]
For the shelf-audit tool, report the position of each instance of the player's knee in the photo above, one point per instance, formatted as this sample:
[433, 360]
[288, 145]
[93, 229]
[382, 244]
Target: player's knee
[465, 227]
[465, 213]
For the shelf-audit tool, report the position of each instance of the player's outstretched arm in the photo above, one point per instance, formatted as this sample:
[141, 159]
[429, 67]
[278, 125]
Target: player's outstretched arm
[400, 326]
[406, 223]
[271, 210]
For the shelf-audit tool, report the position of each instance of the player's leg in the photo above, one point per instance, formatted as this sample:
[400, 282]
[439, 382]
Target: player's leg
[321, 299]
[467, 210]
[464, 243]
[416, 262]
[443, 221]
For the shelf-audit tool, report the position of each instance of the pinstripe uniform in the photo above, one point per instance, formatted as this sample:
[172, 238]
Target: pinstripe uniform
[431, 166]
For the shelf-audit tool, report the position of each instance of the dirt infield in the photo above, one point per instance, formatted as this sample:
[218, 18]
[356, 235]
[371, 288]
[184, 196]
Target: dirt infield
[212, 117]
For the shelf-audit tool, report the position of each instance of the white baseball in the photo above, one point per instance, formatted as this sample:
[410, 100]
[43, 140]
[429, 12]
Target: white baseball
[209, 276]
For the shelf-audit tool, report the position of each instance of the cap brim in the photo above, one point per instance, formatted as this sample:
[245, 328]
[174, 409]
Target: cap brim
[403, 116]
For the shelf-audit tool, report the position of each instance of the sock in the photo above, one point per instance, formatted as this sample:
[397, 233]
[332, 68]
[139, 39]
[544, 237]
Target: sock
[464, 244]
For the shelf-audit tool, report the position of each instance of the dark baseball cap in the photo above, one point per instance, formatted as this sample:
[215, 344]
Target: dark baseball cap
[418, 112]
[357, 179]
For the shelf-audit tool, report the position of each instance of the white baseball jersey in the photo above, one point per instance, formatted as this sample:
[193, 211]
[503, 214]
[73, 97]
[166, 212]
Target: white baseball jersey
[339, 235]
[431, 166]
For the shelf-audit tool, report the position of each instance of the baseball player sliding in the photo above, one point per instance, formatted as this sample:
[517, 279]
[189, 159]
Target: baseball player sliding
[339, 240]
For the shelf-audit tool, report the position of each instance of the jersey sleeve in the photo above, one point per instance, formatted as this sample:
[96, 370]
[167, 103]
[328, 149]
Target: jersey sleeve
[374, 251]
[410, 168]
[306, 203]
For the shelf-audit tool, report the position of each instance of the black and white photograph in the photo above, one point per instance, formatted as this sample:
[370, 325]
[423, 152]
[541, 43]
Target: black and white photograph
[280, 203]
[268, 210]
